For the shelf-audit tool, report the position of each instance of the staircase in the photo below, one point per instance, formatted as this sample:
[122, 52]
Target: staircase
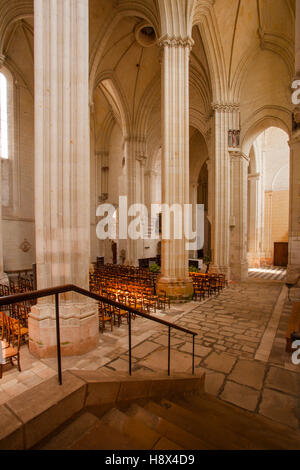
[196, 422]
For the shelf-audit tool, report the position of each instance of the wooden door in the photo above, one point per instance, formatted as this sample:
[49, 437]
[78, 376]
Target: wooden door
[114, 252]
[281, 254]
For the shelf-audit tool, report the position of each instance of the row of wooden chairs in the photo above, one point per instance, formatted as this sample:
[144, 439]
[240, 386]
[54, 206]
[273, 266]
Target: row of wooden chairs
[12, 334]
[111, 315]
[206, 285]
[128, 274]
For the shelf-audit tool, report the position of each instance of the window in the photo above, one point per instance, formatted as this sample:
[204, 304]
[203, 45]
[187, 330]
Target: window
[3, 117]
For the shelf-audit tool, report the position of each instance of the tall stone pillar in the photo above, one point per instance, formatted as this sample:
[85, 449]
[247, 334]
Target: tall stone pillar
[226, 118]
[62, 176]
[268, 248]
[134, 169]
[3, 276]
[255, 223]
[175, 280]
[239, 163]
[102, 168]
[293, 273]
[194, 201]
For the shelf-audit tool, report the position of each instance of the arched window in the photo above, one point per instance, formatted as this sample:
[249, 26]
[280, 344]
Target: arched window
[3, 117]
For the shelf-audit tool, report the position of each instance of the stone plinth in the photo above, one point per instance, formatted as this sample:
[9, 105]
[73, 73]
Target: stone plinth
[79, 329]
[176, 289]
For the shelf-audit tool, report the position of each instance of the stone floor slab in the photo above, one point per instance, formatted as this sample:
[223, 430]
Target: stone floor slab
[144, 349]
[250, 373]
[222, 362]
[283, 380]
[240, 395]
[279, 407]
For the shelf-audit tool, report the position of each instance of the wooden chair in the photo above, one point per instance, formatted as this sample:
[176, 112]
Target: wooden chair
[2, 325]
[12, 350]
[163, 300]
[105, 316]
[19, 330]
[199, 293]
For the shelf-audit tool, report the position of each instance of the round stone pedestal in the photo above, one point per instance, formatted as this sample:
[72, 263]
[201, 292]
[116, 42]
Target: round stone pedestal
[176, 289]
[79, 329]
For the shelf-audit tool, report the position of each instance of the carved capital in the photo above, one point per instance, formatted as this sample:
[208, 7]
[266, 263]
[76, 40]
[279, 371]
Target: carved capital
[237, 154]
[141, 158]
[226, 107]
[176, 41]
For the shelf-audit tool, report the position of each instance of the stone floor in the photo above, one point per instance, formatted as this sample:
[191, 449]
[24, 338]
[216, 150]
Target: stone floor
[272, 273]
[240, 345]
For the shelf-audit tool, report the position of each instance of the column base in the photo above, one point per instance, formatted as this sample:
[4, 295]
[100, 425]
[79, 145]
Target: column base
[239, 271]
[293, 274]
[79, 329]
[177, 290]
[214, 269]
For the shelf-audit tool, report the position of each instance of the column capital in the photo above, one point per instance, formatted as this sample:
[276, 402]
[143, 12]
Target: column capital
[2, 60]
[151, 173]
[254, 176]
[226, 107]
[134, 139]
[238, 154]
[102, 153]
[295, 138]
[176, 41]
[141, 159]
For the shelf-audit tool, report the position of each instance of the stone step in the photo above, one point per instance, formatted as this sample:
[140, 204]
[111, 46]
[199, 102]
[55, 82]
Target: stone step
[178, 435]
[71, 433]
[260, 431]
[210, 431]
[102, 437]
[135, 429]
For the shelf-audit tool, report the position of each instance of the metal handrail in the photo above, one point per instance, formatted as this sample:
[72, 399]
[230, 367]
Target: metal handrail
[37, 294]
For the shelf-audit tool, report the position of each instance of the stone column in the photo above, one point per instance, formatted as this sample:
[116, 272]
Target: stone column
[152, 196]
[268, 248]
[194, 201]
[102, 165]
[239, 163]
[226, 117]
[3, 276]
[62, 176]
[140, 199]
[297, 39]
[254, 222]
[293, 273]
[175, 280]
[134, 154]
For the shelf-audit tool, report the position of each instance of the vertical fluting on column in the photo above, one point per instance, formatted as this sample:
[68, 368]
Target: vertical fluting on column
[226, 117]
[255, 244]
[297, 39]
[239, 163]
[62, 175]
[175, 160]
[194, 202]
[135, 157]
[293, 272]
[268, 247]
[2, 275]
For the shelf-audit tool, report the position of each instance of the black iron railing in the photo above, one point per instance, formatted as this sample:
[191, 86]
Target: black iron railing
[55, 291]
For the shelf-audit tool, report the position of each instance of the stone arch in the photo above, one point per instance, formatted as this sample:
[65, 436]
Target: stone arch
[268, 120]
